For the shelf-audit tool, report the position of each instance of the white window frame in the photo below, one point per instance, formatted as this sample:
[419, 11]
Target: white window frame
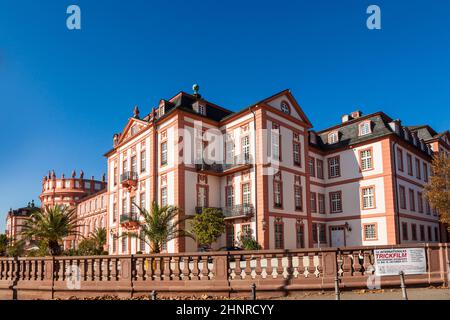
[333, 137]
[368, 197]
[366, 159]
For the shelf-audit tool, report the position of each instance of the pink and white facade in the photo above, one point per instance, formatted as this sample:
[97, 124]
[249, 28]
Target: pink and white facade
[272, 175]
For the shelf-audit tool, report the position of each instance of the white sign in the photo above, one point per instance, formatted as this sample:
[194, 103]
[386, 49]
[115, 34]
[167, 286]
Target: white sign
[389, 262]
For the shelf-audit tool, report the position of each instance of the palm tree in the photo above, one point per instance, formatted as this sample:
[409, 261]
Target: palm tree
[160, 226]
[51, 226]
[99, 237]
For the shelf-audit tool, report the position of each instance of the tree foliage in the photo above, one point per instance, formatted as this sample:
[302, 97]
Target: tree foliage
[248, 242]
[160, 225]
[99, 237]
[4, 242]
[437, 191]
[208, 226]
[51, 226]
[16, 250]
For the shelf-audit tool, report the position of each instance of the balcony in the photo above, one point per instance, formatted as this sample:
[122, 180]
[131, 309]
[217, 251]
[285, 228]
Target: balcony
[129, 179]
[232, 212]
[244, 160]
[129, 220]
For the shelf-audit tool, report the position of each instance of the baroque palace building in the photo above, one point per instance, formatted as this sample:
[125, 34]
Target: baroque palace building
[359, 182]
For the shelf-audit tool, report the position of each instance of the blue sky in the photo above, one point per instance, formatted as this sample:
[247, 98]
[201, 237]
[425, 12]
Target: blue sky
[64, 93]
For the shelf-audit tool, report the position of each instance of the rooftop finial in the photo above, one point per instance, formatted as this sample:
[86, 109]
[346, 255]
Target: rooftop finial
[136, 112]
[196, 89]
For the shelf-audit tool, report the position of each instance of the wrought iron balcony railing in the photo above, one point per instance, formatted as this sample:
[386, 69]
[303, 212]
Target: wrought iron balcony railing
[239, 210]
[131, 217]
[129, 178]
[244, 159]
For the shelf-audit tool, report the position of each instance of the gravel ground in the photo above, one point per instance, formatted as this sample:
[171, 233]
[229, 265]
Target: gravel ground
[387, 294]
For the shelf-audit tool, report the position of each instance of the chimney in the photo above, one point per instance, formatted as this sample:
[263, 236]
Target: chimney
[356, 114]
[346, 118]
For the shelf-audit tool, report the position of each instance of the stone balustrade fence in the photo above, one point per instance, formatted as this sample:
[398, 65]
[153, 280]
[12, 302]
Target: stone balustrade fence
[274, 272]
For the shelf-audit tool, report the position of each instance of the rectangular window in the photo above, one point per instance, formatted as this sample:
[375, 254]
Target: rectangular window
[436, 234]
[409, 164]
[279, 235]
[115, 176]
[202, 200]
[246, 148]
[297, 154]
[313, 202]
[114, 218]
[277, 197]
[321, 229]
[114, 244]
[246, 193]
[420, 202]
[334, 167]
[370, 231]
[229, 194]
[246, 230]
[399, 159]
[133, 207]
[335, 202]
[413, 232]
[143, 161]
[164, 153]
[412, 200]
[404, 231]
[298, 198]
[425, 172]
[124, 206]
[133, 164]
[321, 200]
[422, 232]
[124, 166]
[164, 196]
[368, 197]
[319, 164]
[229, 151]
[142, 202]
[428, 207]
[230, 235]
[142, 243]
[300, 236]
[430, 238]
[124, 244]
[365, 157]
[275, 142]
[418, 175]
[402, 195]
[312, 170]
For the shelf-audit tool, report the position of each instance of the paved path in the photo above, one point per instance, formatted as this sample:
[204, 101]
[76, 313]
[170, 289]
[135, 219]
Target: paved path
[387, 294]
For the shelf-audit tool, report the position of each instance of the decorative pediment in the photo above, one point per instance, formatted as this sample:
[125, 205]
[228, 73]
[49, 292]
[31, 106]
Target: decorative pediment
[285, 102]
[133, 127]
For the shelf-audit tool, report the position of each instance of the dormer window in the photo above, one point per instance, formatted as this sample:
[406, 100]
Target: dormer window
[364, 128]
[202, 109]
[161, 111]
[285, 107]
[333, 137]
